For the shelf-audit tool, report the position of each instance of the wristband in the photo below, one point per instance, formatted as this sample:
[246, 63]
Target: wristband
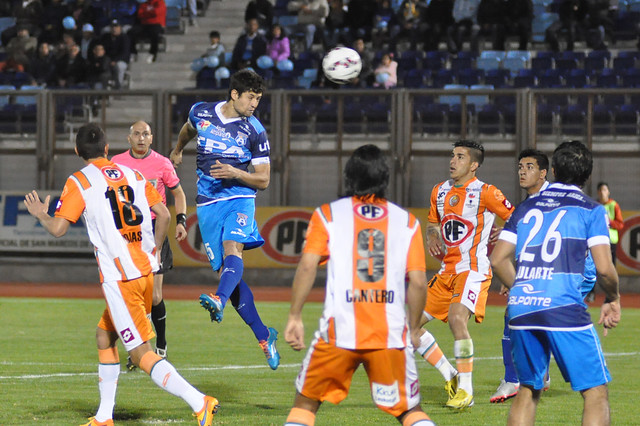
[181, 219]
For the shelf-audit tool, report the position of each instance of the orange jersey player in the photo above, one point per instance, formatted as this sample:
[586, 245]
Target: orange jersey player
[116, 203]
[371, 246]
[461, 215]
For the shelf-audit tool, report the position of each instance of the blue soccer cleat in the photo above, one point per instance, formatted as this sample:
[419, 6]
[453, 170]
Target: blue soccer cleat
[269, 348]
[213, 304]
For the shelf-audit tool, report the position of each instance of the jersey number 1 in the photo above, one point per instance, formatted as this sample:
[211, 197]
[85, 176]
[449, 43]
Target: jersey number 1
[122, 206]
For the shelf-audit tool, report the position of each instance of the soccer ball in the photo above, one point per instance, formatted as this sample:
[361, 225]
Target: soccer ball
[341, 64]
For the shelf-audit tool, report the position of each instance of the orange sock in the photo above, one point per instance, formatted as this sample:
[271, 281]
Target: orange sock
[433, 354]
[148, 361]
[109, 356]
[301, 417]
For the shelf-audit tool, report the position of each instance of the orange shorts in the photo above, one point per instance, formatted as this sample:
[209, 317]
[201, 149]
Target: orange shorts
[469, 288]
[128, 310]
[327, 371]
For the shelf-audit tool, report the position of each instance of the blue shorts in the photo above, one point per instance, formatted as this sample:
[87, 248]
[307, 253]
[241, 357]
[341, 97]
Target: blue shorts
[577, 352]
[230, 220]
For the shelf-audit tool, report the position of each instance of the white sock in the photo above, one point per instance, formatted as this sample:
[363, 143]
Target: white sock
[107, 384]
[427, 342]
[167, 377]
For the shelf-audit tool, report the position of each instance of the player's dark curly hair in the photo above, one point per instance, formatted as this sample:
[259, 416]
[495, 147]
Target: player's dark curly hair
[540, 157]
[366, 173]
[572, 163]
[476, 150]
[246, 81]
[90, 141]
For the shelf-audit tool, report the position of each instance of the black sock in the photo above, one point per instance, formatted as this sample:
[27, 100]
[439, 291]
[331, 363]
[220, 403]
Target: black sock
[159, 316]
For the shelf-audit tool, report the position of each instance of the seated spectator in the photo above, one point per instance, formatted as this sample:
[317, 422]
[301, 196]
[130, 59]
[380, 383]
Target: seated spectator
[53, 15]
[278, 47]
[152, 18]
[574, 16]
[117, 49]
[384, 24]
[262, 10]
[336, 26]
[124, 11]
[519, 21]
[82, 11]
[437, 18]
[28, 14]
[23, 46]
[410, 23]
[213, 57]
[99, 68]
[11, 65]
[492, 19]
[87, 41]
[465, 24]
[366, 77]
[42, 66]
[387, 72]
[249, 47]
[71, 68]
[311, 17]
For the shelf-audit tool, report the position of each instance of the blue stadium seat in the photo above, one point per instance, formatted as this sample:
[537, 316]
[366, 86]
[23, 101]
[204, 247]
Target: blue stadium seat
[378, 118]
[577, 78]
[542, 63]
[469, 76]
[206, 79]
[497, 77]
[573, 119]
[607, 78]
[479, 100]
[433, 117]
[631, 77]
[352, 117]
[489, 120]
[594, 65]
[452, 99]
[566, 64]
[550, 79]
[441, 78]
[606, 54]
[545, 117]
[602, 120]
[523, 81]
[498, 54]
[461, 63]
[626, 120]
[623, 63]
[327, 118]
[415, 78]
[488, 63]
[514, 64]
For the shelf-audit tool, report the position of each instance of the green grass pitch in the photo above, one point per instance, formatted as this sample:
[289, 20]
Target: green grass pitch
[48, 371]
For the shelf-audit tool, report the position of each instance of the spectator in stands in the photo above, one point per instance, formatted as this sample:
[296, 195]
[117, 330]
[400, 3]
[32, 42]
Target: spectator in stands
[53, 14]
[574, 15]
[99, 68]
[465, 24]
[438, 18]
[492, 19]
[384, 22]
[71, 68]
[311, 17]
[361, 17]
[336, 27]
[192, 8]
[366, 77]
[387, 72]
[124, 11]
[117, 49]
[43, 66]
[22, 46]
[87, 41]
[82, 11]
[249, 47]
[216, 48]
[152, 18]
[519, 22]
[262, 10]
[11, 65]
[602, 14]
[28, 13]
[411, 23]
[278, 46]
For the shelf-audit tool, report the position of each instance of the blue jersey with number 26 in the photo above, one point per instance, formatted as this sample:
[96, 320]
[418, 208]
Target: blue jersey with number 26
[552, 233]
[237, 141]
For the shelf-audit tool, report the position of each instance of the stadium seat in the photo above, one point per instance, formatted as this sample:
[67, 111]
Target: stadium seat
[414, 78]
[327, 118]
[489, 120]
[461, 63]
[550, 79]
[452, 99]
[623, 63]
[508, 112]
[607, 78]
[602, 120]
[514, 64]
[631, 78]
[626, 120]
[542, 63]
[487, 63]
[479, 100]
[498, 54]
[433, 118]
[206, 79]
[497, 77]
[566, 64]
[523, 81]
[469, 76]
[576, 78]
[545, 118]
[352, 117]
[378, 118]
[441, 78]
[594, 65]
[605, 54]
[573, 120]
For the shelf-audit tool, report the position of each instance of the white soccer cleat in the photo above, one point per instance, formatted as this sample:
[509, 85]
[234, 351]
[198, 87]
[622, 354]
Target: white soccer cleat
[505, 391]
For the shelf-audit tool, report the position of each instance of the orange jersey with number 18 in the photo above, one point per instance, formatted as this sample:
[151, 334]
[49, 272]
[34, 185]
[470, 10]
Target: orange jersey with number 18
[115, 202]
[466, 214]
[371, 246]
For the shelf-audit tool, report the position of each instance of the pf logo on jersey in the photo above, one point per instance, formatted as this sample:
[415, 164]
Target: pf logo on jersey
[370, 211]
[455, 230]
[112, 173]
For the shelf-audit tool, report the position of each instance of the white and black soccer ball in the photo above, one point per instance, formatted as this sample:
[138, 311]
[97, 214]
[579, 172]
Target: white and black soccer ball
[341, 65]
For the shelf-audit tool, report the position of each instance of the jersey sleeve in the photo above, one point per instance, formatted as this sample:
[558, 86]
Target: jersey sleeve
[192, 117]
[71, 203]
[433, 207]
[598, 228]
[169, 175]
[152, 194]
[260, 149]
[416, 258]
[317, 239]
[497, 203]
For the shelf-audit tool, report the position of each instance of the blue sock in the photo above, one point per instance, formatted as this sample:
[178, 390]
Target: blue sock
[242, 300]
[232, 270]
[510, 374]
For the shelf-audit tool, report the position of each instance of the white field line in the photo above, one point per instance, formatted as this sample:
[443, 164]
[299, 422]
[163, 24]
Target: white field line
[212, 368]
